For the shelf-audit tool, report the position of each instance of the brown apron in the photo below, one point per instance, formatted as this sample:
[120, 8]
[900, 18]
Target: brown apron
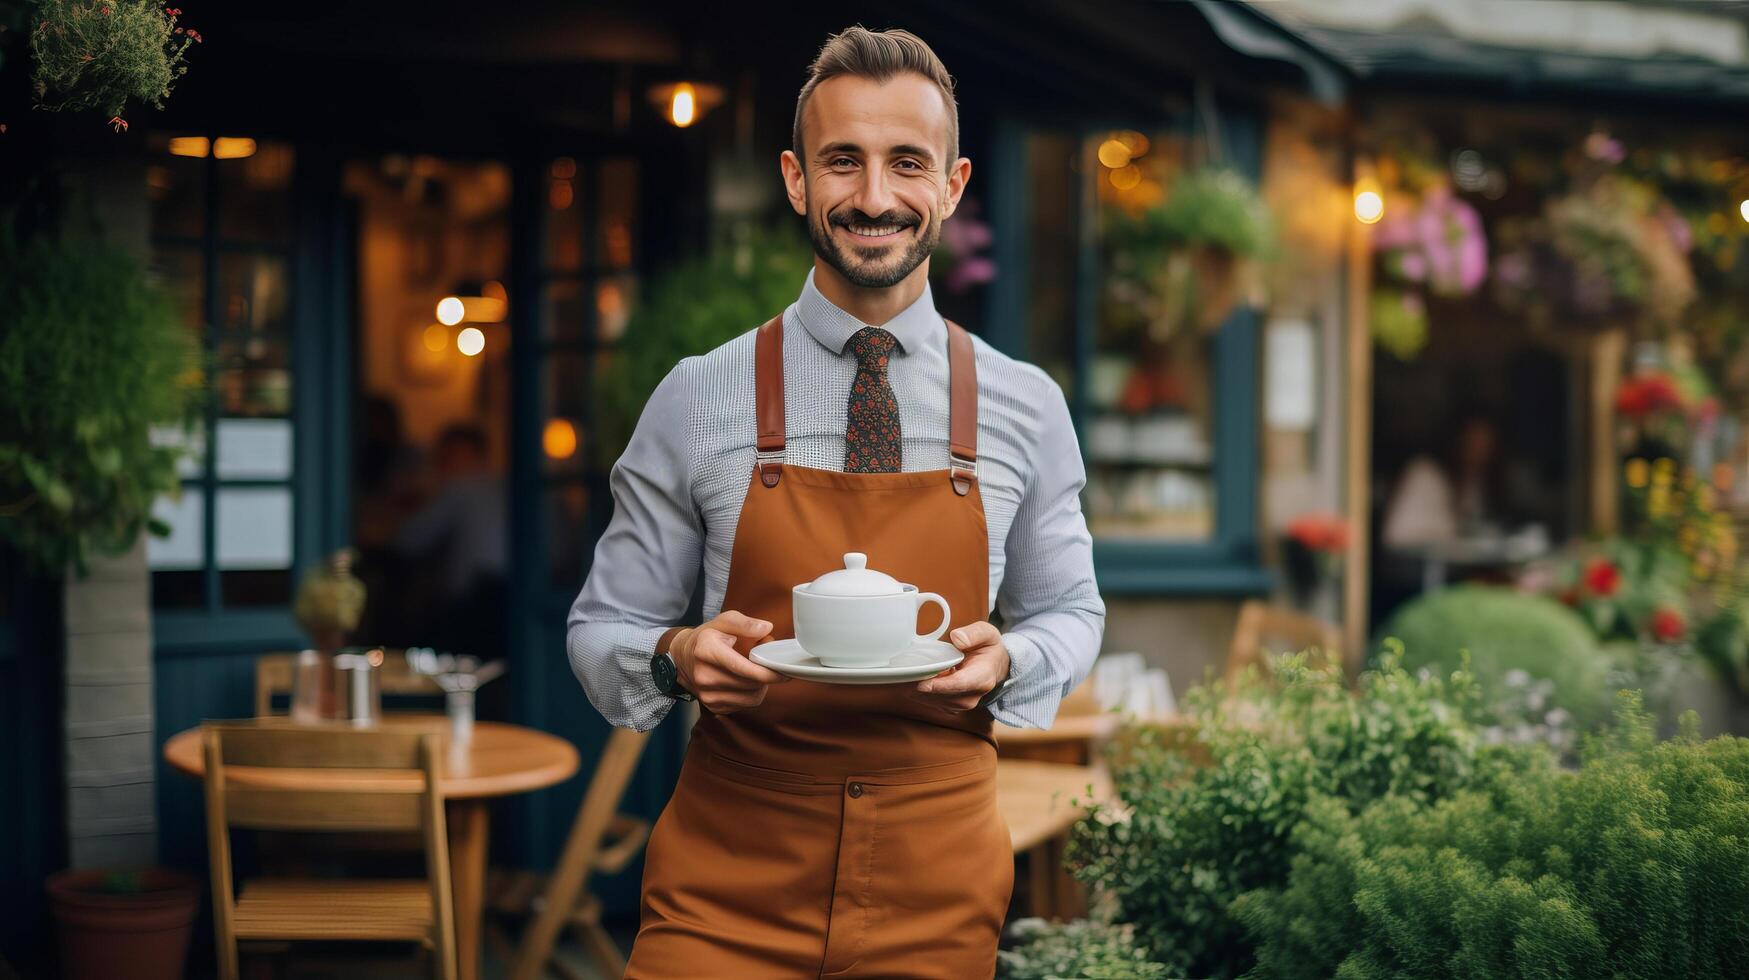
[838, 830]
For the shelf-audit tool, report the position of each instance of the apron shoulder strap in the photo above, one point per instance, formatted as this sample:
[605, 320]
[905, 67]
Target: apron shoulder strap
[962, 433]
[768, 394]
[962, 427]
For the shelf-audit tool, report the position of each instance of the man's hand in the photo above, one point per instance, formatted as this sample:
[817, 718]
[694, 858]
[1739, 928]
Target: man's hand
[985, 666]
[720, 676]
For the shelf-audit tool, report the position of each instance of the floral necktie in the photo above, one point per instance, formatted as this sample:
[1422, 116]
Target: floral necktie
[871, 433]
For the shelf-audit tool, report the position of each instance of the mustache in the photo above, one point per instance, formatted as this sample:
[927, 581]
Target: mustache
[854, 217]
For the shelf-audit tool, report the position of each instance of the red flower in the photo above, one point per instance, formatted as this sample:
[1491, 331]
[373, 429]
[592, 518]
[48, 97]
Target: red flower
[1320, 532]
[1668, 625]
[1646, 394]
[119, 123]
[195, 35]
[173, 11]
[1602, 577]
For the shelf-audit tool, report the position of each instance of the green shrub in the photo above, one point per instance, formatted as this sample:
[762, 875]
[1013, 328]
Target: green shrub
[1196, 838]
[91, 356]
[1635, 866]
[1505, 630]
[1079, 949]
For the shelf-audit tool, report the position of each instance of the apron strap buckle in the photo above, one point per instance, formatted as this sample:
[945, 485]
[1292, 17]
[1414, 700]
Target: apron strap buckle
[963, 471]
[770, 465]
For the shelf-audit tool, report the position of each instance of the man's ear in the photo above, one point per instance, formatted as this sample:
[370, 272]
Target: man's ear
[795, 181]
[958, 176]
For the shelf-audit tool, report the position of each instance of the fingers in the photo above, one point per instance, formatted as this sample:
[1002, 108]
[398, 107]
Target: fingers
[716, 663]
[974, 635]
[974, 676]
[739, 624]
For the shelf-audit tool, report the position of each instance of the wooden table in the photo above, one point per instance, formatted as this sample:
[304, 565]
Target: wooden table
[1037, 799]
[500, 760]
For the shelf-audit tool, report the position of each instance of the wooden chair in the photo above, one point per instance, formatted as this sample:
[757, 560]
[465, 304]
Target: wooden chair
[275, 676]
[1264, 629]
[601, 840]
[369, 781]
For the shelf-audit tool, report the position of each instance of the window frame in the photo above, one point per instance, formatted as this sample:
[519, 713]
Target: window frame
[1228, 562]
[319, 317]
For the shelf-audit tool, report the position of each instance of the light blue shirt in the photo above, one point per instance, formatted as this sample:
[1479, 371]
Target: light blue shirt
[679, 486]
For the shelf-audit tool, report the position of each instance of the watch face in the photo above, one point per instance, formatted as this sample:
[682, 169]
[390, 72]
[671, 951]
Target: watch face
[662, 670]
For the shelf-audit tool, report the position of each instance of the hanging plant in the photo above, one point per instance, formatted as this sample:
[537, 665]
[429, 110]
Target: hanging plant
[1399, 321]
[1194, 251]
[106, 54]
[1437, 243]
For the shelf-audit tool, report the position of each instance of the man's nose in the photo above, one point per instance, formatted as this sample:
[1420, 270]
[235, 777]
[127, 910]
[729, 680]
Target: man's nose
[874, 195]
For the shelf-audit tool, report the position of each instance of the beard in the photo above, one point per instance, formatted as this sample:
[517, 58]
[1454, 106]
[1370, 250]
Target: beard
[877, 267]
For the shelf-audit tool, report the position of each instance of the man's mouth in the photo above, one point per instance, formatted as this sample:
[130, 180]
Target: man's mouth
[875, 234]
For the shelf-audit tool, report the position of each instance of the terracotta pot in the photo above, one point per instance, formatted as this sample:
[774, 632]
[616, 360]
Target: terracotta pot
[141, 935]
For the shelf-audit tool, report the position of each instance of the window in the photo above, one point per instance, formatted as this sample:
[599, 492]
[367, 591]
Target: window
[1164, 406]
[222, 242]
[588, 286]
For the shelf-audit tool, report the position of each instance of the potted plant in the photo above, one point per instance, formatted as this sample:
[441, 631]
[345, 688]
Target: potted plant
[133, 924]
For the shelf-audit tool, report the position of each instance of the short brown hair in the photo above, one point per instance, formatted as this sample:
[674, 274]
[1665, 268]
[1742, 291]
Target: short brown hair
[878, 56]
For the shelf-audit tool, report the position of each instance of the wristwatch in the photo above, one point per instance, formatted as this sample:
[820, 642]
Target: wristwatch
[664, 672]
[993, 693]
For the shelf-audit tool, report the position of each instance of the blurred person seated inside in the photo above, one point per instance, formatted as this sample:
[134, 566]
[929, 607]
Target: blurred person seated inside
[465, 526]
[1439, 504]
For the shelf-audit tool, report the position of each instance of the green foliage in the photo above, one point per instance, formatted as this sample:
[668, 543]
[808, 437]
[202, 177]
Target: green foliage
[1505, 630]
[91, 356]
[1635, 866]
[1078, 949]
[1208, 207]
[1196, 838]
[691, 309]
[103, 54]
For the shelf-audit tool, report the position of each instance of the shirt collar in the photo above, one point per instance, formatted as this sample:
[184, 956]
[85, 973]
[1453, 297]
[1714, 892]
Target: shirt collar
[915, 327]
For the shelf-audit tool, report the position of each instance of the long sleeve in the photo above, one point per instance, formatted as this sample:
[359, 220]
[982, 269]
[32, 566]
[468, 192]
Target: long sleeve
[645, 565]
[1049, 599]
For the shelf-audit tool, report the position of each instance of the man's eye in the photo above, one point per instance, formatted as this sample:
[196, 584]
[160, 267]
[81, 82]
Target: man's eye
[840, 160]
[910, 163]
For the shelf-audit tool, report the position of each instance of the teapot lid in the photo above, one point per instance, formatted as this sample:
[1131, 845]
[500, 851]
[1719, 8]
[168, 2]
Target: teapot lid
[855, 579]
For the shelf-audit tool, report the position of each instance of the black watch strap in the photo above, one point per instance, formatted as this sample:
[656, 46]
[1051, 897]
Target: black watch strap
[663, 671]
[993, 693]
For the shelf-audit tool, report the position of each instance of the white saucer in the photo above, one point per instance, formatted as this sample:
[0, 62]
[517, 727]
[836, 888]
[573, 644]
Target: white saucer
[922, 660]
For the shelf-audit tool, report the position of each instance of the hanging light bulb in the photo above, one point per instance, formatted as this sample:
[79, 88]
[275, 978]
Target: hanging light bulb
[1369, 201]
[470, 341]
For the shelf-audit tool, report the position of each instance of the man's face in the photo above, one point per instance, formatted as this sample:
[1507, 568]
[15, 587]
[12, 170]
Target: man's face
[876, 184]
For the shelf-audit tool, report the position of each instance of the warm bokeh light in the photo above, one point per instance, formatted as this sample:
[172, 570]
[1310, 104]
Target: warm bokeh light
[470, 341]
[450, 310]
[1743, 209]
[435, 337]
[1128, 177]
[233, 147]
[1114, 154]
[559, 439]
[682, 105]
[1369, 202]
[1136, 142]
[188, 146]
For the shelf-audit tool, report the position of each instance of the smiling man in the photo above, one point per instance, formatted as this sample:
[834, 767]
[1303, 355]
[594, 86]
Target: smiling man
[828, 828]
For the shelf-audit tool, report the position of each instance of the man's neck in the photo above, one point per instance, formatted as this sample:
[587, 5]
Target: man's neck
[873, 306]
